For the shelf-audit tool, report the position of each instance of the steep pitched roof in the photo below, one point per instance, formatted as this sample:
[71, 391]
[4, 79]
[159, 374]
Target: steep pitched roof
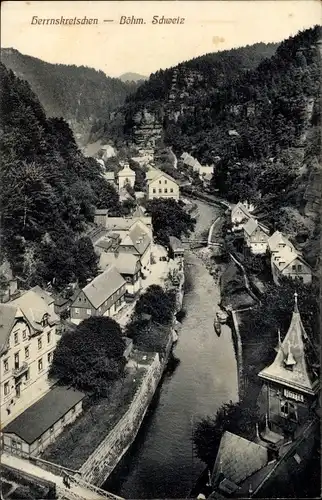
[278, 240]
[290, 365]
[238, 458]
[241, 207]
[250, 226]
[138, 212]
[125, 263]
[34, 306]
[126, 172]
[284, 257]
[138, 238]
[8, 314]
[49, 299]
[152, 173]
[103, 286]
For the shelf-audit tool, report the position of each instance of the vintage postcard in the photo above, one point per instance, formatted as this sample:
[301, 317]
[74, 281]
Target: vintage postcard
[160, 249]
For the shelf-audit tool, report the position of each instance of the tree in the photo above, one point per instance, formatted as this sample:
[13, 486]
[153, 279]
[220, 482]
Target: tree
[169, 219]
[91, 356]
[238, 418]
[157, 303]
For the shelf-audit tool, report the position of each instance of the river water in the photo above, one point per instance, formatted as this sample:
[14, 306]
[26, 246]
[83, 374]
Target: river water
[161, 463]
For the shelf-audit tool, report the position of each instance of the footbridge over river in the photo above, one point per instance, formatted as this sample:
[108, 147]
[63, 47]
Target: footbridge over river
[78, 488]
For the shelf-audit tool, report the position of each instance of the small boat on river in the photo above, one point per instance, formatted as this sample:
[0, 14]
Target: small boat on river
[217, 326]
[222, 317]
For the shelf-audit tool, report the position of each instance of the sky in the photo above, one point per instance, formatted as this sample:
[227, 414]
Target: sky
[117, 48]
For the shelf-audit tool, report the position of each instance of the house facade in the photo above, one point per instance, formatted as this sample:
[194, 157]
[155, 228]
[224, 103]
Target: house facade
[163, 186]
[138, 242]
[28, 338]
[290, 264]
[239, 215]
[126, 176]
[104, 296]
[256, 236]
[36, 428]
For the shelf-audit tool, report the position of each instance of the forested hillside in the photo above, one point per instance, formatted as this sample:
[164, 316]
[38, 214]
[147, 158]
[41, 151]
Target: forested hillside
[256, 108]
[48, 191]
[80, 95]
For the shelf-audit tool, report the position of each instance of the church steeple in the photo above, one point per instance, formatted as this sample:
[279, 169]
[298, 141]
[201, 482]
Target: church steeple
[290, 365]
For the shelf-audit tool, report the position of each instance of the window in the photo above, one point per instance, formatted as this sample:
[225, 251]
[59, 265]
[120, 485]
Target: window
[88, 311]
[6, 365]
[39, 344]
[6, 388]
[39, 365]
[17, 360]
[171, 190]
[48, 337]
[76, 310]
[16, 338]
[27, 377]
[45, 320]
[160, 182]
[299, 267]
[79, 299]
[154, 190]
[24, 334]
[26, 352]
[288, 409]
[128, 279]
[165, 190]
[165, 181]
[49, 357]
[160, 190]
[293, 268]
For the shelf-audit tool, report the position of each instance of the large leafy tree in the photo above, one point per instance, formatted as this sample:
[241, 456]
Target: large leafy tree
[169, 219]
[238, 418]
[157, 303]
[91, 356]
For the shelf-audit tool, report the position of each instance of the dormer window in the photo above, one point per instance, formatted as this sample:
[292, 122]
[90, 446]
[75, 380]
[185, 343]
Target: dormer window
[44, 321]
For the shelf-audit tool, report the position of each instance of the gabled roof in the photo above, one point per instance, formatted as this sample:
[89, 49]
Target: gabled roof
[103, 286]
[35, 305]
[43, 414]
[138, 238]
[278, 240]
[126, 172]
[241, 207]
[125, 263]
[290, 365]
[162, 174]
[138, 212]
[152, 173]
[284, 257]
[237, 458]
[8, 314]
[253, 224]
[49, 299]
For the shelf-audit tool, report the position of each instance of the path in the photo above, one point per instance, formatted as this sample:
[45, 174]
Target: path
[211, 230]
[247, 284]
[78, 490]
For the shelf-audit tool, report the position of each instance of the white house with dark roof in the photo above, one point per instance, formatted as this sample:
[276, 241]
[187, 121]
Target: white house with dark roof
[129, 267]
[28, 339]
[137, 241]
[37, 427]
[289, 263]
[256, 236]
[162, 185]
[239, 215]
[103, 296]
[126, 176]
[277, 241]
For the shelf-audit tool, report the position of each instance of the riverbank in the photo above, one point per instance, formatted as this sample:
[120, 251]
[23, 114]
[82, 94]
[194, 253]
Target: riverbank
[102, 434]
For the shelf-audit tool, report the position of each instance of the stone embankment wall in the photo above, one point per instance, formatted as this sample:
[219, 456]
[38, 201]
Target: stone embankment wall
[107, 455]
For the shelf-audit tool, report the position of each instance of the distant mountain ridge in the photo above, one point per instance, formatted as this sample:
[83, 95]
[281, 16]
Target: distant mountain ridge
[132, 77]
[79, 94]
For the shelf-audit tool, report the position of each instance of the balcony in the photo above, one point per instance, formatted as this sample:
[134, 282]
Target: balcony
[19, 371]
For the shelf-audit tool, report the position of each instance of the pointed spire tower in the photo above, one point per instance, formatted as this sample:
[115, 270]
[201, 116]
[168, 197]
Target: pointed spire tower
[290, 368]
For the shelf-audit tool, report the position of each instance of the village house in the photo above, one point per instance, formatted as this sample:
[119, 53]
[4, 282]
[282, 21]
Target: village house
[108, 243]
[284, 439]
[104, 296]
[256, 236]
[278, 242]
[206, 180]
[129, 267]
[37, 427]
[176, 248]
[239, 216]
[163, 186]
[126, 176]
[121, 225]
[289, 263]
[138, 242]
[27, 342]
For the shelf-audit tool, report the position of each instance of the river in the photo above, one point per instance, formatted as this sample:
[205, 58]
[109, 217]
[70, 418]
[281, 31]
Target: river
[161, 463]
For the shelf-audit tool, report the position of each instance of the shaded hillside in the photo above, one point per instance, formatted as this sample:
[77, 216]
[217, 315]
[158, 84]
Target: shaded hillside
[49, 191]
[79, 94]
